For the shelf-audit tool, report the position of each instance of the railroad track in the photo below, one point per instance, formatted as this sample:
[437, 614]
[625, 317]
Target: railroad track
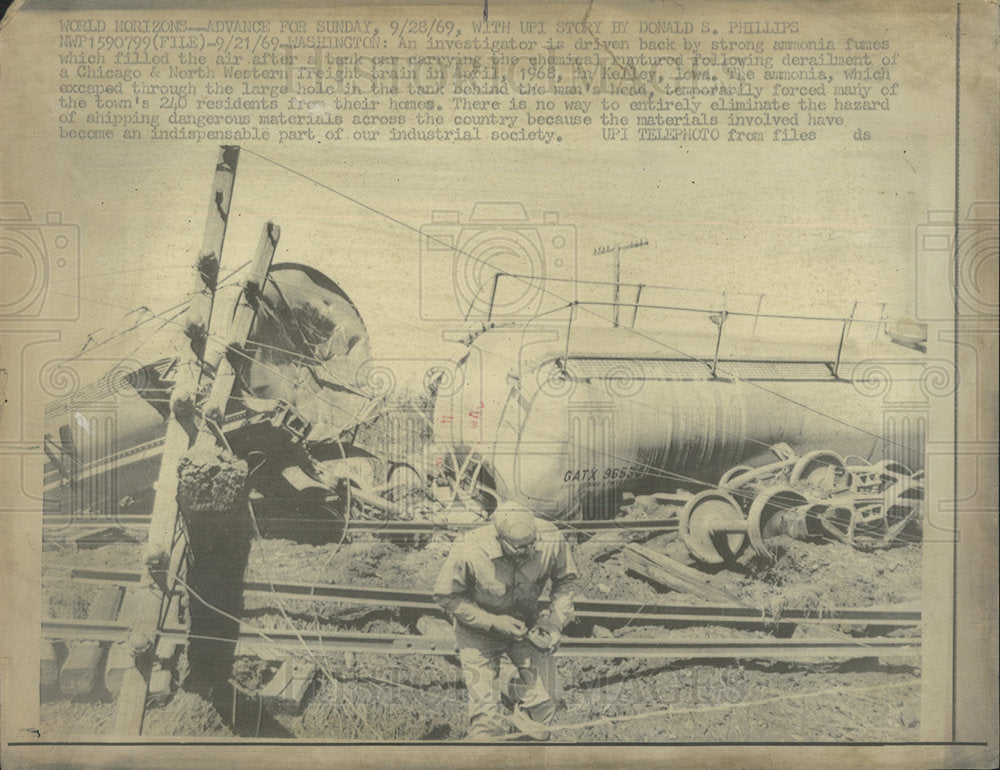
[273, 644]
[54, 524]
[589, 610]
[290, 645]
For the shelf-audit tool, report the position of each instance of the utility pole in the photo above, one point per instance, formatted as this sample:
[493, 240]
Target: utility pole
[164, 548]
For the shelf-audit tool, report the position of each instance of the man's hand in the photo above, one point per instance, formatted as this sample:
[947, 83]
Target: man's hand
[544, 639]
[508, 626]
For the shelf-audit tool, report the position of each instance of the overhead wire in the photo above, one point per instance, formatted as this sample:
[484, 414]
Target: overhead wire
[653, 471]
[574, 305]
[544, 289]
[649, 469]
[176, 306]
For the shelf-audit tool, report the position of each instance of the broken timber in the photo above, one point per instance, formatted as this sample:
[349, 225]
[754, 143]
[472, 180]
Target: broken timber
[665, 570]
[211, 477]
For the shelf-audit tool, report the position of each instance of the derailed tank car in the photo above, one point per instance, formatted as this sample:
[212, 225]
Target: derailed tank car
[564, 417]
[104, 440]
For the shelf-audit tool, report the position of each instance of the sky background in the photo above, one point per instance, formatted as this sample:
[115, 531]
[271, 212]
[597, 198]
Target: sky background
[834, 218]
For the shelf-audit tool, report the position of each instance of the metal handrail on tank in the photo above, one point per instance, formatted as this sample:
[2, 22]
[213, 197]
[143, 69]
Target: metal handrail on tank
[719, 316]
[642, 286]
[878, 323]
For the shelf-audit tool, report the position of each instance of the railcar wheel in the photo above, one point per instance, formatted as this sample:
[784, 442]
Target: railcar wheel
[769, 516]
[822, 470]
[706, 524]
[732, 475]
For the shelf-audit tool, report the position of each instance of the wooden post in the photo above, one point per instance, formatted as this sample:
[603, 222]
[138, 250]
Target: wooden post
[162, 540]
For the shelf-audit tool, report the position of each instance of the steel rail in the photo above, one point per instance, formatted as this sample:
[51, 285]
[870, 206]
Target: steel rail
[376, 525]
[596, 609]
[279, 643]
[66, 629]
[284, 642]
[600, 610]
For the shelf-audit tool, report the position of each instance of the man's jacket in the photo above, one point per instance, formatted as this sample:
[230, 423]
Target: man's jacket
[478, 582]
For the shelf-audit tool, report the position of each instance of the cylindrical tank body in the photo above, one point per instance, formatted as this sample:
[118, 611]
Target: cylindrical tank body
[104, 439]
[104, 442]
[566, 427]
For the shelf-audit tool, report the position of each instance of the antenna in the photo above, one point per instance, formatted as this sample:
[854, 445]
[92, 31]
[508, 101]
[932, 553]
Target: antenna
[618, 249]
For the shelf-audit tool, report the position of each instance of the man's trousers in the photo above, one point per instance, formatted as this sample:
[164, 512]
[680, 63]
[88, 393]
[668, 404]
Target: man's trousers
[481, 654]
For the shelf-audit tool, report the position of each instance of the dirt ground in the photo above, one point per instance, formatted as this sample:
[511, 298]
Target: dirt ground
[377, 697]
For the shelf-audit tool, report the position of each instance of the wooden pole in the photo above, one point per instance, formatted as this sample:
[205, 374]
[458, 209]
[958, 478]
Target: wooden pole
[163, 522]
[162, 540]
[216, 221]
[214, 410]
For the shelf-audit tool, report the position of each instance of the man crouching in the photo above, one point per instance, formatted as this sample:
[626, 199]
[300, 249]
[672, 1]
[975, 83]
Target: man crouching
[490, 584]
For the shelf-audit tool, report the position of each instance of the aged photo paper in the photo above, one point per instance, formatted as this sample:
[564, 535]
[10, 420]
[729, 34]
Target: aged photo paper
[592, 383]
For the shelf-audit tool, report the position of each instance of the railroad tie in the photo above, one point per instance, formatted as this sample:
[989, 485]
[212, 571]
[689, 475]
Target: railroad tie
[79, 672]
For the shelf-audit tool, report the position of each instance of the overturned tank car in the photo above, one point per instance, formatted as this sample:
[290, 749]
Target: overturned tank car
[294, 405]
[721, 399]
[765, 420]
